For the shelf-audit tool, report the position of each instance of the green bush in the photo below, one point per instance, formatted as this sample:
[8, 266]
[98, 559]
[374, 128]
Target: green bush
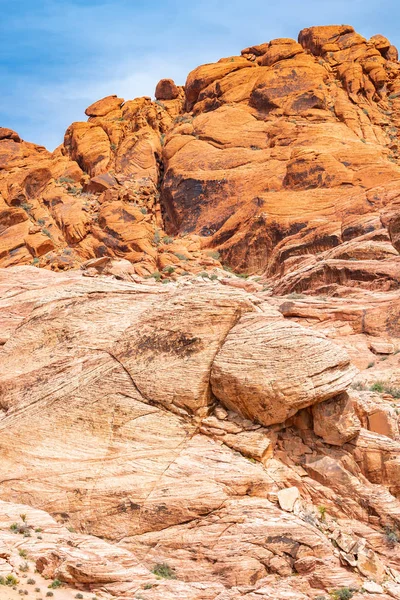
[164, 571]
[9, 580]
[156, 275]
[344, 593]
[55, 584]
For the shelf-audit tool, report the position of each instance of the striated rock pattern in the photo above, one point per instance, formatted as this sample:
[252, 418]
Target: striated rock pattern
[224, 436]
[195, 441]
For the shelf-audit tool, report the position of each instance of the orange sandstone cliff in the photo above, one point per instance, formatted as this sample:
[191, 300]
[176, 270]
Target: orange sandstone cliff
[234, 433]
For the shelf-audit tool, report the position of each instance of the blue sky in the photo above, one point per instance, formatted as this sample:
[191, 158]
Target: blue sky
[59, 56]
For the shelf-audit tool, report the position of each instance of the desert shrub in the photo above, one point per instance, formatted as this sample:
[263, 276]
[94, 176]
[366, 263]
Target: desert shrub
[214, 254]
[55, 584]
[391, 536]
[31, 581]
[169, 269]
[9, 580]
[65, 180]
[344, 593]
[167, 240]
[164, 571]
[24, 567]
[156, 275]
[156, 237]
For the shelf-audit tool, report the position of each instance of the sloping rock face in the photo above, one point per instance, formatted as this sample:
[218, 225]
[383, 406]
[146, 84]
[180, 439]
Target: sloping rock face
[167, 424]
[222, 436]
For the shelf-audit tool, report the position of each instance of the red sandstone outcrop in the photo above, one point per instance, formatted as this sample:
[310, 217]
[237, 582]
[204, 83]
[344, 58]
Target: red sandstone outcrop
[217, 437]
[281, 162]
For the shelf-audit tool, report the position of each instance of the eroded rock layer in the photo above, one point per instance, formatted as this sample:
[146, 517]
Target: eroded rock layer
[218, 446]
[281, 162]
[224, 436]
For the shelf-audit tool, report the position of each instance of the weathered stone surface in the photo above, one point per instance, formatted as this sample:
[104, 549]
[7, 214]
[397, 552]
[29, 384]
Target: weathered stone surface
[335, 420]
[166, 90]
[287, 498]
[286, 368]
[173, 419]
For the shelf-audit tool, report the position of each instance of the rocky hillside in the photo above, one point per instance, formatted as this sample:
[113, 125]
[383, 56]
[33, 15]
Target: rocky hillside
[235, 433]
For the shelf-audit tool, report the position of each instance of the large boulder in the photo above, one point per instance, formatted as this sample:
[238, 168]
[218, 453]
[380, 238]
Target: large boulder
[267, 370]
[335, 420]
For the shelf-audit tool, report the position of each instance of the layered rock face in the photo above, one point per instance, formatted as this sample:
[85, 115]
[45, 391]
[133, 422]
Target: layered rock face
[191, 440]
[282, 161]
[222, 436]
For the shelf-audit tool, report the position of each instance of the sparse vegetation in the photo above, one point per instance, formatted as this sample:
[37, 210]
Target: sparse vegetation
[23, 553]
[391, 536]
[180, 256]
[49, 594]
[214, 254]
[143, 210]
[381, 387]
[113, 147]
[377, 387]
[370, 365]
[55, 584]
[169, 269]
[183, 119]
[156, 237]
[167, 240]
[9, 580]
[31, 581]
[163, 571]
[24, 567]
[156, 275]
[344, 593]
[21, 528]
[65, 180]
[79, 596]
[322, 512]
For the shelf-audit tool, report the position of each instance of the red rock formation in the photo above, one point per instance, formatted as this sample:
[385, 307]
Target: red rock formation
[223, 433]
